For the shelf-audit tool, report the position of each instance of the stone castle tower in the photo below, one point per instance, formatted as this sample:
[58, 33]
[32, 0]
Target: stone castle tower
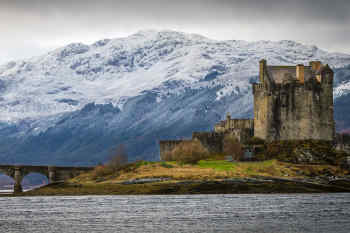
[290, 103]
[294, 102]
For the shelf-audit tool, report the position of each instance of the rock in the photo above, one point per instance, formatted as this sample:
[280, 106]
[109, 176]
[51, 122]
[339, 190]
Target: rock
[145, 180]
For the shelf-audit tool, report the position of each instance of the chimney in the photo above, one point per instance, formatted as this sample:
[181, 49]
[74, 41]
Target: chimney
[300, 73]
[315, 65]
[262, 66]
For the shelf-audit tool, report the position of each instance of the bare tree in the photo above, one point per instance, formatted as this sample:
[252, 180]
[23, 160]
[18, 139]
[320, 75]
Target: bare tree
[118, 157]
[189, 152]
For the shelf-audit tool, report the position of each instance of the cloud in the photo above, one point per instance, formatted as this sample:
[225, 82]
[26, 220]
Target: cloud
[51, 23]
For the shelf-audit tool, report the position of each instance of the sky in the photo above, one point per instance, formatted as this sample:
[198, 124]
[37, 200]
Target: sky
[32, 27]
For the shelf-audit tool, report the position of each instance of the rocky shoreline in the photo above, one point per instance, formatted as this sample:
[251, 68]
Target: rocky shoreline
[159, 186]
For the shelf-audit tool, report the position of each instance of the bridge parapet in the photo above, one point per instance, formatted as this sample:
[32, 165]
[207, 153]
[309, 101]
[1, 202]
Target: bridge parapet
[54, 174]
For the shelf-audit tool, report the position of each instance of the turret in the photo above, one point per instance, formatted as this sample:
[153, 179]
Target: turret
[300, 73]
[315, 65]
[326, 74]
[262, 70]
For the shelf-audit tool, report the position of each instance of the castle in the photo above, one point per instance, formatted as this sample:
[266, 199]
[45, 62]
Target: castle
[290, 103]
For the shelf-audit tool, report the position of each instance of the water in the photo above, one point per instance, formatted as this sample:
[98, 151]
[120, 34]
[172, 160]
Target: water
[188, 213]
[9, 190]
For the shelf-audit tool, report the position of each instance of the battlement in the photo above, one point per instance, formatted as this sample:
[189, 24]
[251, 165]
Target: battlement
[258, 87]
[206, 134]
[230, 124]
[282, 74]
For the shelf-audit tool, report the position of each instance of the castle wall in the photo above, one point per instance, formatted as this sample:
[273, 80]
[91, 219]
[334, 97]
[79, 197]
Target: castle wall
[211, 140]
[242, 135]
[308, 113]
[297, 112]
[261, 104]
[294, 111]
[230, 124]
[327, 124]
[239, 124]
[219, 128]
[294, 103]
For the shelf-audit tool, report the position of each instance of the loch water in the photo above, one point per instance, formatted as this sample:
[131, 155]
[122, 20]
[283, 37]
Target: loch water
[177, 213]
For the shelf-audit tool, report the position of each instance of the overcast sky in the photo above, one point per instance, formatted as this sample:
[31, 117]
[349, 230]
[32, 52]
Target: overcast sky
[32, 27]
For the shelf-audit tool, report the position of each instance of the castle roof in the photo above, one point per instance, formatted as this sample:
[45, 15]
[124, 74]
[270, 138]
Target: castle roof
[280, 74]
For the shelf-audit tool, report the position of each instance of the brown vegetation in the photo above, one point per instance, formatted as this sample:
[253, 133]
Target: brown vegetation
[187, 152]
[117, 160]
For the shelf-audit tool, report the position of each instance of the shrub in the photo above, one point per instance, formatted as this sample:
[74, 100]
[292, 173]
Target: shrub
[101, 171]
[255, 141]
[117, 160]
[304, 151]
[232, 147]
[188, 152]
[166, 165]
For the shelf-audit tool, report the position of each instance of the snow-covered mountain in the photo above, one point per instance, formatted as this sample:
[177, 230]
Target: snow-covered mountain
[74, 104]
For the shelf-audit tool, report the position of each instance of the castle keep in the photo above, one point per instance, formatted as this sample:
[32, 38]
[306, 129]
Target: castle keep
[294, 102]
[290, 103]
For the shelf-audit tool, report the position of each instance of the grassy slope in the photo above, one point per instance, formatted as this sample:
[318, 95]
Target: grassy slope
[210, 176]
[209, 170]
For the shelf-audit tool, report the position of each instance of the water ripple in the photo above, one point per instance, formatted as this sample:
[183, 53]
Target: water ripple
[184, 213]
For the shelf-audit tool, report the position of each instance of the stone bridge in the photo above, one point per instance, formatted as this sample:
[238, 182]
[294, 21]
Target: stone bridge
[53, 174]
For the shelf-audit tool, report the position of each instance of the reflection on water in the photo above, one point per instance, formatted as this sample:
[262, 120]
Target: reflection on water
[195, 213]
[9, 189]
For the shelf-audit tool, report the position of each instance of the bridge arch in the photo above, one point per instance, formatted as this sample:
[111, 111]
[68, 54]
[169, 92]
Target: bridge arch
[38, 179]
[6, 182]
[8, 171]
[17, 173]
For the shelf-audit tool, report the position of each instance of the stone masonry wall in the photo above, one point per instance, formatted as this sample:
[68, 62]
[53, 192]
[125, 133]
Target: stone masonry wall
[294, 111]
[211, 140]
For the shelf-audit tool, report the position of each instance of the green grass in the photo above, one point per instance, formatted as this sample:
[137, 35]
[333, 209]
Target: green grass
[220, 165]
[166, 165]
